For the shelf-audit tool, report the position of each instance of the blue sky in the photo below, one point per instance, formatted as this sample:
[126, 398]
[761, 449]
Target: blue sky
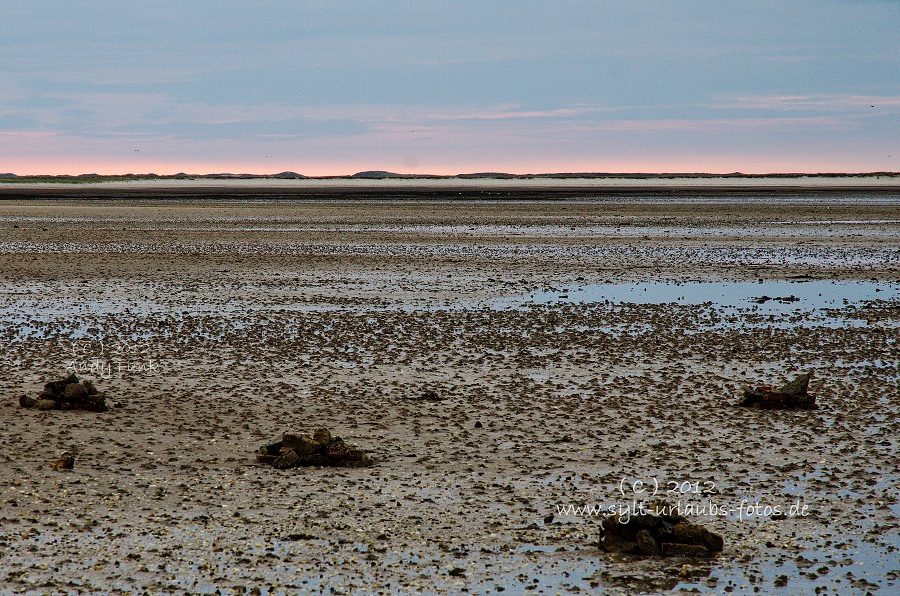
[338, 87]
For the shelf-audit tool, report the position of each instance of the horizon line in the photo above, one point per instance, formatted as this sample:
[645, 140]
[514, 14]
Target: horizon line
[381, 174]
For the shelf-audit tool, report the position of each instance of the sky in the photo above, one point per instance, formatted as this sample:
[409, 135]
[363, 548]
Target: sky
[336, 87]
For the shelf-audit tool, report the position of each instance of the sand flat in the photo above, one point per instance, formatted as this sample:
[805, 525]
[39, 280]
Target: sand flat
[219, 324]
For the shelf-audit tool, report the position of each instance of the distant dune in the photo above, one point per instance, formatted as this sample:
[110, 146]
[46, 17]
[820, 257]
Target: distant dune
[375, 174]
[378, 174]
[589, 178]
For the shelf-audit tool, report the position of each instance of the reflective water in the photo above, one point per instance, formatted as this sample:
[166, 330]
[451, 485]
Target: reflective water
[768, 297]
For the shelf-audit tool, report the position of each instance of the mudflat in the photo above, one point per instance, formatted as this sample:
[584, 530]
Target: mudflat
[518, 369]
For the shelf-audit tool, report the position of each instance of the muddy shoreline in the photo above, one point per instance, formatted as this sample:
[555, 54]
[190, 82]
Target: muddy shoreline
[461, 189]
[215, 326]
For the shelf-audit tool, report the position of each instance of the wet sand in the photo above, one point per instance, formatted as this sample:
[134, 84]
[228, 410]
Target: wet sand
[845, 187]
[214, 326]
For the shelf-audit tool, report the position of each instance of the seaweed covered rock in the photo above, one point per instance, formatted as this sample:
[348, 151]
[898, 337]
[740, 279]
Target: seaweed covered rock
[792, 395]
[318, 449]
[652, 535]
[68, 393]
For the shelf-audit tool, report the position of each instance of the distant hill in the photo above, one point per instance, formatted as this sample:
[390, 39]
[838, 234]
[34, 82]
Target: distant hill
[500, 175]
[378, 174]
[10, 178]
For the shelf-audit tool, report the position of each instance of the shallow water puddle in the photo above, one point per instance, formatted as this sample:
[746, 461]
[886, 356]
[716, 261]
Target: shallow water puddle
[810, 571]
[767, 304]
[768, 297]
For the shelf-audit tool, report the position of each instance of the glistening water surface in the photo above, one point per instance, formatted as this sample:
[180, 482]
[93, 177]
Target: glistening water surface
[770, 297]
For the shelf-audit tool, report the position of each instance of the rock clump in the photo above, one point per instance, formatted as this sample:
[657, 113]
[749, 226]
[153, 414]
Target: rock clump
[68, 393]
[793, 395]
[318, 449]
[65, 462]
[653, 535]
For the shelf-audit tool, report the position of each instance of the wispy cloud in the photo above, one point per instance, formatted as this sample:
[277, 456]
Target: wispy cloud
[690, 125]
[513, 112]
[808, 102]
